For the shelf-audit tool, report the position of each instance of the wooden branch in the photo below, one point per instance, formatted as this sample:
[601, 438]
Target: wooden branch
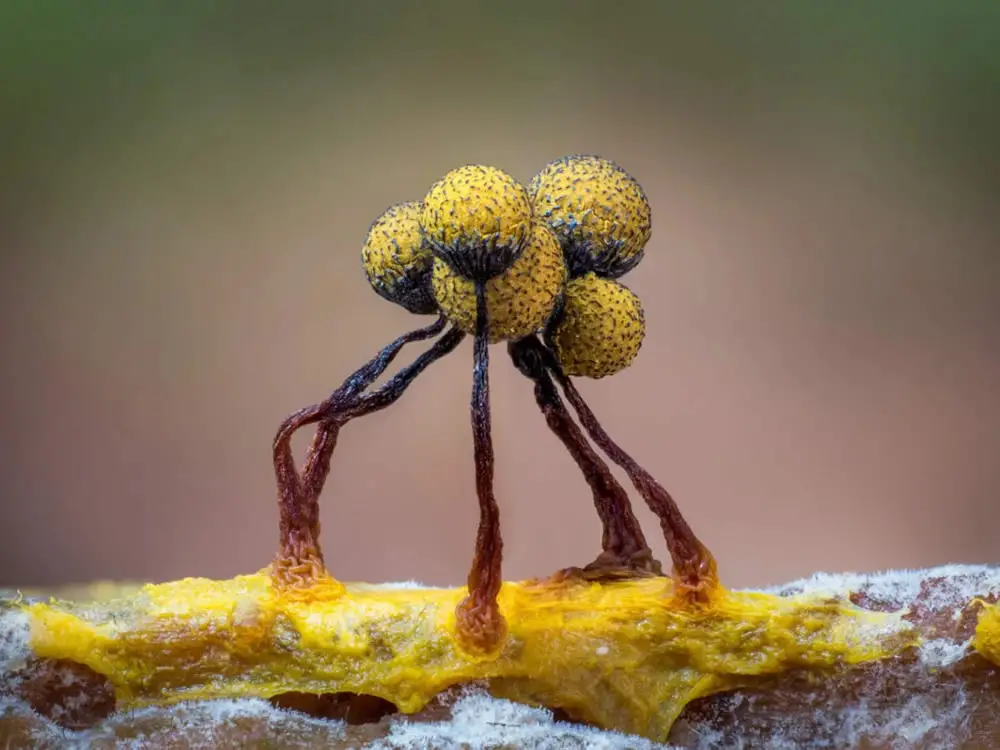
[900, 659]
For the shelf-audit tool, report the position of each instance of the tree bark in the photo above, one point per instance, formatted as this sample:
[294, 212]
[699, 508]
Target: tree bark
[892, 660]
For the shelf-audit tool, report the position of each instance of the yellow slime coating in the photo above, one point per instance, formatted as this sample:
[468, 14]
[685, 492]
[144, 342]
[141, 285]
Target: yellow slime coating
[476, 206]
[597, 209]
[622, 654]
[518, 302]
[987, 638]
[395, 260]
[602, 327]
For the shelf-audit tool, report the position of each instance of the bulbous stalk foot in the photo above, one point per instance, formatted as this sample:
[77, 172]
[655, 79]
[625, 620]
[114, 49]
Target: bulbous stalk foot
[299, 562]
[694, 568]
[480, 626]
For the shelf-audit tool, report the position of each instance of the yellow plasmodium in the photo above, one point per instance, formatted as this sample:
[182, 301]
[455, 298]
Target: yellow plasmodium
[601, 328]
[395, 260]
[624, 655]
[597, 210]
[475, 206]
[518, 302]
[987, 638]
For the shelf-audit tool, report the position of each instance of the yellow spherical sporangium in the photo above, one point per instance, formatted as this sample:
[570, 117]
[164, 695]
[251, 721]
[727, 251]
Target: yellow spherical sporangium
[598, 211]
[518, 302]
[398, 266]
[477, 218]
[601, 329]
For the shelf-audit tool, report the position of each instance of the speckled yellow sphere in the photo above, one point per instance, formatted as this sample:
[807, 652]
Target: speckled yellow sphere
[598, 211]
[518, 302]
[601, 328]
[396, 262]
[477, 218]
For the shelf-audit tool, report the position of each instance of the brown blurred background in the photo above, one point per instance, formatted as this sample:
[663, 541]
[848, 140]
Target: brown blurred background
[185, 186]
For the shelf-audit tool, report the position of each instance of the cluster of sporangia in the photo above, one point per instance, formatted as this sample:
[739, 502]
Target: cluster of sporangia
[536, 267]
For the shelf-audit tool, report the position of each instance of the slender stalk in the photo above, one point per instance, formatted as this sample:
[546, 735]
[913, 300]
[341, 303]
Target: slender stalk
[481, 626]
[693, 565]
[624, 547]
[300, 558]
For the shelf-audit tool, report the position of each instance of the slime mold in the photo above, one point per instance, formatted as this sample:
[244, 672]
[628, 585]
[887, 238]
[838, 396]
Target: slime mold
[616, 643]
[506, 264]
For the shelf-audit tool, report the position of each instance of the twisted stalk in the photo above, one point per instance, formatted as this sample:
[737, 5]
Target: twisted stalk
[624, 548]
[300, 558]
[694, 567]
[481, 626]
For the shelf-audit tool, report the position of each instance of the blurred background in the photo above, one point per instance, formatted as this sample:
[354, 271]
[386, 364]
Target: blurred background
[185, 186]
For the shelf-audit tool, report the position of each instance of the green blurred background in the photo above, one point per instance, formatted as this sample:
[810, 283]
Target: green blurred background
[185, 187]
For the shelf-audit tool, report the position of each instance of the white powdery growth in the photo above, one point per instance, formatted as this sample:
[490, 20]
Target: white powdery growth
[480, 721]
[941, 652]
[954, 586]
[206, 724]
[928, 715]
[865, 634]
[934, 719]
[403, 585]
[900, 588]
[15, 634]
[198, 725]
